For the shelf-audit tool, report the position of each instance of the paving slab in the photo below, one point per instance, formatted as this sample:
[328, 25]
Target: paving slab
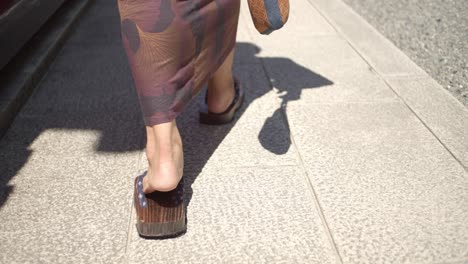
[380, 52]
[445, 116]
[58, 180]
[330, 56]
[327, 162]
[229, 223]
[446, 119]
[389, 190]
[258, 136]
[323, 69]
[66, 158]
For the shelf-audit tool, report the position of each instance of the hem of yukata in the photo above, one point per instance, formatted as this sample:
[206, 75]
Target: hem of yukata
[156, 120]
[171, 115]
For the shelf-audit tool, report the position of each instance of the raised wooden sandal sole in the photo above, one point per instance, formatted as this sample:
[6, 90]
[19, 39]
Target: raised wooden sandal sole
[159, 214]
[210, 118]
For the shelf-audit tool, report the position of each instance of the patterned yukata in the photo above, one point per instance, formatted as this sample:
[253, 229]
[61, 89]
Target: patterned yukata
[173, 48]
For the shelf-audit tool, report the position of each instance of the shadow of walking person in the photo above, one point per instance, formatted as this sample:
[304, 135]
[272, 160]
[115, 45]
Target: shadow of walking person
[89, 108]
[288, 79]
[82, 131]
[259, 75]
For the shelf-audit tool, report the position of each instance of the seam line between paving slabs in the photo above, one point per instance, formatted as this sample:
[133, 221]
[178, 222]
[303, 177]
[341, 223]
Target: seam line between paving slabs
[318, 207]
[427, 127]
[301, 165]
[315, 200]
[386, 82]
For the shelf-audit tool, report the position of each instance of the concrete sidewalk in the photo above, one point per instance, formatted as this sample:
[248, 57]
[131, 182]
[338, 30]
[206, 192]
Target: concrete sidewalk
[345, 152]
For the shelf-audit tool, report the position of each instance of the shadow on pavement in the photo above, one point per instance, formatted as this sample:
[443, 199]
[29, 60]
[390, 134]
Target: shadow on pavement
[89, 88]
[200, 141]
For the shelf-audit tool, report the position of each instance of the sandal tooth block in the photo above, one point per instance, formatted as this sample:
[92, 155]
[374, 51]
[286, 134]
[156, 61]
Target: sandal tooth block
[159, 214]
[149, 230]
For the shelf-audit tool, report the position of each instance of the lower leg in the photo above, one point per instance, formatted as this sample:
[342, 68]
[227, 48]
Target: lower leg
[164, 153]
[221, 86]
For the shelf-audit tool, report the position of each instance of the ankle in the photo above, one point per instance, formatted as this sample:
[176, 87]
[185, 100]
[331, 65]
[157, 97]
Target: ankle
[163, 149]
[219, 99]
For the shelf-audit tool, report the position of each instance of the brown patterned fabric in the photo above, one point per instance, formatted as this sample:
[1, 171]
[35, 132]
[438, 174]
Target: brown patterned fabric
[173, 48]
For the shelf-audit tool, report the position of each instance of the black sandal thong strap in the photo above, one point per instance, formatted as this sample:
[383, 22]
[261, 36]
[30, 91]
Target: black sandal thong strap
[207, 117]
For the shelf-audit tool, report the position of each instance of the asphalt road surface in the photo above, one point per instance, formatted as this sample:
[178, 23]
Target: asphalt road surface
[433, 33]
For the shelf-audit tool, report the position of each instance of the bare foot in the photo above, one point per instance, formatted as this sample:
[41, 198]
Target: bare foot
[164, 152]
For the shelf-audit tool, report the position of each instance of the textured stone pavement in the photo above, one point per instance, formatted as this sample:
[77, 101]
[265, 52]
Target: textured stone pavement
[345, 152]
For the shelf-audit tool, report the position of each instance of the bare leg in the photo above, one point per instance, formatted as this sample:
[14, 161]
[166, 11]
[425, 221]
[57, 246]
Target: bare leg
[221, 86]
[164, 152]
[164, 149]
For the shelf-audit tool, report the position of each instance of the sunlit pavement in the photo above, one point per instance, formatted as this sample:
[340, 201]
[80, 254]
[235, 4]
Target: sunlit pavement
[344, 151]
